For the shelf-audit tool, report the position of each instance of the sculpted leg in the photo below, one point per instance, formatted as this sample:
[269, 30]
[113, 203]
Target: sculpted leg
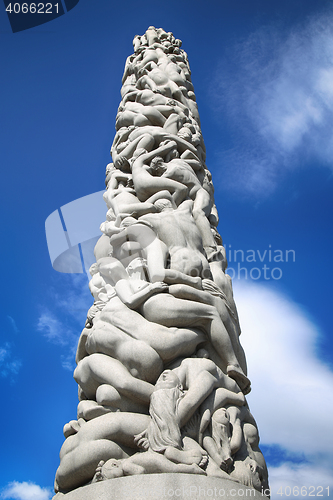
[146, 142]
[219, 335]
[107, 395]
[187, 312]
[219, 398]
[98, 369]
[139, 358]
[168, 343]
[105, 437]
[201, 209]
[78, 467]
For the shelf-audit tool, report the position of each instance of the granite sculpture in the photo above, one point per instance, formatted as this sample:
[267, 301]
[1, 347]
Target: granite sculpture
[161, 371]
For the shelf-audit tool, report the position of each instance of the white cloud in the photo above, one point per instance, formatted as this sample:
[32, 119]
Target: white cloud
[57, 332]
[62, 321]
[9, 366]
[68, 359]
[292, 395]
[279, 93]
[313, 479]
[26, 491]
[52, 328]
[75, 297]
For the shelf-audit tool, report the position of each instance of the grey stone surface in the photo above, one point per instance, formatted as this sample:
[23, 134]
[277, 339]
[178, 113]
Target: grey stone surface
[162, 487]
[161, 371]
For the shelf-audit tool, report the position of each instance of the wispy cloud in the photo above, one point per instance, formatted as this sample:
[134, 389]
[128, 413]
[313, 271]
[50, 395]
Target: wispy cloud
[52, 328]
[58, 332]
[63, 318]
[291, 397]
[71, 296]
[13, 324]
[9, 365]
[291, 478]
[68, 359]
[276, 91]
[25, 491]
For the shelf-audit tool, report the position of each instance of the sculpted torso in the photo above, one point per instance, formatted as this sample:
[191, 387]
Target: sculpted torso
[178, 230]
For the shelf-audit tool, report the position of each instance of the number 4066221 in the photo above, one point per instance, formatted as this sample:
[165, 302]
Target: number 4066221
[33, 8]
[303, 491]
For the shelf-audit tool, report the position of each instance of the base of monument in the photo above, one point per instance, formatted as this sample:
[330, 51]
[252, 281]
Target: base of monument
[162, 487]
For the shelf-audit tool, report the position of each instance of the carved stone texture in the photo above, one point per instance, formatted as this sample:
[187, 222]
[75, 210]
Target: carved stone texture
[161, 372]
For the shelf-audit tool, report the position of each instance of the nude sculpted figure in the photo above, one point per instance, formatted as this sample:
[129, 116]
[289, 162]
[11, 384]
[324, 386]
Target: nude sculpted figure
[161, 373]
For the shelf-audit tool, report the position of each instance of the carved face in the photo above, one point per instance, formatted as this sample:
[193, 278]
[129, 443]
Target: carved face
[137, 265]
[255, 474]
[112, 468]
[249, 473]
[157, 166]
[174, 153]
[167, 380]
[109, 267]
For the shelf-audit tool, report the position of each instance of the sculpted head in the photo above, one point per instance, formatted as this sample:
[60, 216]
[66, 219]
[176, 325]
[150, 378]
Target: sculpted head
[112, 469]
[137, 265]
[93, 269]
[111, 268]
[221, 416]
[163, 204]
[156, 166]
[252, 473]
[251, 434]
[110, 215]
[173, 154]
[109, 168]
[185, 133]
[108, 171]
[136, 41]
[168, 380]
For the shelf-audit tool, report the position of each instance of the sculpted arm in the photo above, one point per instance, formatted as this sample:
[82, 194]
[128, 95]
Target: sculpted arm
[116, 177]
[133, 300]
[237, 429]
[161, 151]
[162, 194]
[200, 388]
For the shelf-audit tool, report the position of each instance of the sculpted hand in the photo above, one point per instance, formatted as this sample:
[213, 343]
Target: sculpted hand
[159, 286]
[141, 440]
[197, 282]
[121, 162]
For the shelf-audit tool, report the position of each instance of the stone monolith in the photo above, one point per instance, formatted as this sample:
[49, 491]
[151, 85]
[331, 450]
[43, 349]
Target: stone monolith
[161, 371]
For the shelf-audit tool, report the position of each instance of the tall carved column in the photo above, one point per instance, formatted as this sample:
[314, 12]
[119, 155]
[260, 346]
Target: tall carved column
[161, 372]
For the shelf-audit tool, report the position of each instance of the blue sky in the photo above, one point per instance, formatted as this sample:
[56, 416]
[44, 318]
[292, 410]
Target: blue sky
[263, 77]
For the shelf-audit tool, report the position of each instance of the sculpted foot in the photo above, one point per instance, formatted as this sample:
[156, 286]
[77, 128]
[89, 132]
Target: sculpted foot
[197, 470]
[225, 453]
[73, 427]
[226, 464]
[99, 473]
[203, 462]
[237, 374]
